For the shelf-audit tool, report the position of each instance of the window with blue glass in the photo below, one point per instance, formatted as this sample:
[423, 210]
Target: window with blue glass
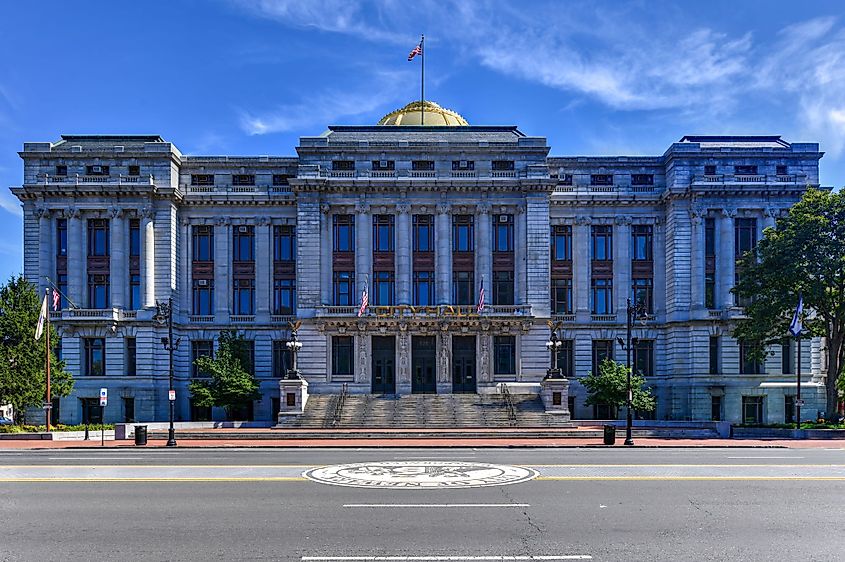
[284, 243]
[284, 296]
[462, 233]
[383, 288]
[641, 242]
[243, 297]
[134, 238]
[423, 233]
[503, 233]
[344, 233]
[561, 236]
[98, 237]
[343, 283]
[602, 238]
[98, 291]
[202, 297]
[383, 227]
[424, 288]
[243, 243]
[61, 237]
[202, 243]
[462, 287]
[134, 291]
[601, 296]
[95, 356]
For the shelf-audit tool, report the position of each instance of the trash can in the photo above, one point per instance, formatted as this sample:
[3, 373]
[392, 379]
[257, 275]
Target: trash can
[140, 435]
[609, 435]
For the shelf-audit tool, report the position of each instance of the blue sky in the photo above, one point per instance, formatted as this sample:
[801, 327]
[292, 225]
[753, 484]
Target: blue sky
[250, 77]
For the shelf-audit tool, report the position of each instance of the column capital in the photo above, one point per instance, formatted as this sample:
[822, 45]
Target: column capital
[41, 212]
[147, 212]
[325, 208]
[584, 220]
[222, 221]
[362, 208]
[262, 221]
[772, 212]
[403, 207]
[483, 208]
[623, 220]
[729, 213]
[185, 221]
[116, 212]
[444, 209]
[72, 213]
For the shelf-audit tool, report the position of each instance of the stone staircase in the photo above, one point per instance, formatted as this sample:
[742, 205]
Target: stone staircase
[423, 411]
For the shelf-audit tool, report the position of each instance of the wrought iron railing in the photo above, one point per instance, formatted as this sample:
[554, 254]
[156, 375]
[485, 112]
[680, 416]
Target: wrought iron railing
[338, 407]
[508, 399]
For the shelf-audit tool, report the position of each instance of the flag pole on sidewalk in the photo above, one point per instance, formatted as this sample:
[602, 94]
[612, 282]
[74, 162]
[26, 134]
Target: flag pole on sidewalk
[48, 403]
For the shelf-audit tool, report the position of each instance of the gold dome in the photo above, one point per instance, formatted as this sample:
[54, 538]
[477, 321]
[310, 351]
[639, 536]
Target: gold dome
[435, 116]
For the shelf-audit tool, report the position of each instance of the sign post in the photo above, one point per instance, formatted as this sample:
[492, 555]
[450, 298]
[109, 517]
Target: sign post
[104, 399]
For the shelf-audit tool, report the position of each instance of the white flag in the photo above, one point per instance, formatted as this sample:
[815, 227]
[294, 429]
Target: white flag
[42, 317]
[796, 326]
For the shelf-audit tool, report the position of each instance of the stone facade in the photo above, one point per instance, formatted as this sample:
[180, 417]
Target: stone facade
[672, 223]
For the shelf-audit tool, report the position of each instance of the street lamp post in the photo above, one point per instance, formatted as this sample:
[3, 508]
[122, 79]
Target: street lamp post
[294, 346]
[553, 346]
[631, 311]
[165, 314]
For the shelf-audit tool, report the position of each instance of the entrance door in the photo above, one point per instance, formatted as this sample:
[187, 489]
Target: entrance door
[463, 364]
[423, 365]
[384, 359]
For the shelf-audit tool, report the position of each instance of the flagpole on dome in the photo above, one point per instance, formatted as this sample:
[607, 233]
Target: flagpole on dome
[422, 80]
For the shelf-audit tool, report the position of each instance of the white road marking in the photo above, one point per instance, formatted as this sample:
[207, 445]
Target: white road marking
[97, 458]
[414, 505]
[447, 558]
[766, 457]
[436, 457]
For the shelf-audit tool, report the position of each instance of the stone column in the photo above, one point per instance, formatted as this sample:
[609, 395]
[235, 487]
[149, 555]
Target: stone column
[443, 256]
[77, 257]
[403, 359]
[520, 242]
[403, 253]
[222, 266]
[263, 269]
[769, 218]
[118, 263]
[148, 257]
[45, 250]
[363, 252]
[622, 263]
[727, 258]
[581, 267]
[325, 254]
[185, 250]
[362, 358]
[484, 253]
[697, 259]
[660, 297]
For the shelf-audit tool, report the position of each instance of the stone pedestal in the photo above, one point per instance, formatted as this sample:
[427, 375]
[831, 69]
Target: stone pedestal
[293, 394]
[555, 395]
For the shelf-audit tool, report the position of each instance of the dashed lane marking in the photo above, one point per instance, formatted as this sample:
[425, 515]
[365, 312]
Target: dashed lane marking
[426, 505]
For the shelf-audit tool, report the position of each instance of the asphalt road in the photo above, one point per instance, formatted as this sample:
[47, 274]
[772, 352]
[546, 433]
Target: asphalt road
[599, 504]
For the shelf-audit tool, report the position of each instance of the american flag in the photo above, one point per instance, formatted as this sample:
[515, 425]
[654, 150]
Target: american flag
[480, 298]
[417, 51]
[56, 300]
[365, 300]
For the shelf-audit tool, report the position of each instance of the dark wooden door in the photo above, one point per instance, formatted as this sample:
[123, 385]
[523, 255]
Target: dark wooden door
[423, 365]
[384, 362]
[463, 364]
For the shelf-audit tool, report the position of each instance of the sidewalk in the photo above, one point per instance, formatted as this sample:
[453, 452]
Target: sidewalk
[503, 442]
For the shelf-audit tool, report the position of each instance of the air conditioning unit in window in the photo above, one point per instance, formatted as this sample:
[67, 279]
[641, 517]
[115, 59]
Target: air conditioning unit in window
[382, 164]
[202, 282]
[462, 164]
[503, 218]
[241, 229]
[96, 169]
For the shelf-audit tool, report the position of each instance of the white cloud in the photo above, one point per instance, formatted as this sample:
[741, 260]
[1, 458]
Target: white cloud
[10, 204]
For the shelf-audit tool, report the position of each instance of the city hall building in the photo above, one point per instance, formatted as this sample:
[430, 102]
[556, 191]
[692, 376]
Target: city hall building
[422, 219]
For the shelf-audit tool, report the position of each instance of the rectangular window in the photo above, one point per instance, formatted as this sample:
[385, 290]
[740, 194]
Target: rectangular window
[752, 410]
[423, 288]
[602, 238]
[243, 179]
[202, 297]
[284, 296]
[745, 236]
[561, 242]
[643, 357]
[249, 352]
[98, 237]
[504, 355]
[716, 408]
[643, 294]
[61, 170]
[243, 296]
[95, 356]
[710, 170]
[343, 165]
[96, 170]
[463, 165]
[710, 291]
[284, 243]
[98, 291]
[134, 291]
[422, 165]
[61, 237]
[128, 409]
[710, 237]
[134, 238]
[714, 355]
[383, 227]
[602, 349]
[561, 296]
[344, 233]
[61, 283]
[343, 288]
[642, 179]
[601, 296]
[243, 243]
[748, 362]
[503, 233]
[91, 411]
[503, 291]
[342, 357]
[462, 233]
[601, 179]
[134, 170]
[565, 179]
[641, 242]
[130, 354]
[503, 165]
[384, 165]
[280, 180]
[788, 408]
[200, 348]
[282, 359]
[202, 179]
[781, 170]
[787, 360]
[383, 288]
[463, 287]
[566, 358]
[745, 170]
[202, 242]
[423, 233]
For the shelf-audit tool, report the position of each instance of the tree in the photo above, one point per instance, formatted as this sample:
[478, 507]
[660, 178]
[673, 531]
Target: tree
[231, 383]
[805, 256]
[23, 379]
[610, 386]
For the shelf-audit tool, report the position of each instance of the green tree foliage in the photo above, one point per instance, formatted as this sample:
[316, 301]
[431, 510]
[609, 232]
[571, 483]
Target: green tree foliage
[23, 380]
[804, 255]
[610, 386]
[231, 383]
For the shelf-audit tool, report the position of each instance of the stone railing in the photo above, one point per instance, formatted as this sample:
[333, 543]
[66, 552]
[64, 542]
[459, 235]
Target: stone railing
[443, 310]
[282, 318]
[603, 318]
[564, 318]
[242, 318]
[201, 319]
[727, 179]
[422, 174]
[714, 314]
[94, 314]
[237, 189]
[463, 174]
[77, 179]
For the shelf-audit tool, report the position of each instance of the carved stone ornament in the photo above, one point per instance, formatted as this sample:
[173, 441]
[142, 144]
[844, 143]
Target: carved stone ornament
[404, 370]
[72, 213]
[222, 221]
[115, 212]
[483, 208]
[772, 212]
[485, 358]
[185, 221]
[443, 208]
[443, 364]
[729, 213]
[362, 208]
[623, 220]
[147, 212]
[41, 212]
[583, 220]
[262, 221]
[325, 208]
[362, 358]
[403, 208]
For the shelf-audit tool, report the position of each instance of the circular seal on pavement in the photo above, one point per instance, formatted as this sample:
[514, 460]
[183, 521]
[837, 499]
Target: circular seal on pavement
[420, 475]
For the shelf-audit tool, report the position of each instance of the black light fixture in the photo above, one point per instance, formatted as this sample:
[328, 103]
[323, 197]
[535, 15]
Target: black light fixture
[164, 314]
[294, 345]
[639, 311]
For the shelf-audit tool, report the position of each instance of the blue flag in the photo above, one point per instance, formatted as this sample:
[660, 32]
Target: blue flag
[796, 327]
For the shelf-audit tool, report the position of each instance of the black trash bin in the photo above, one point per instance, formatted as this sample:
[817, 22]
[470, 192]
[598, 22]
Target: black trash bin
[609, 434]
[140, 435]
